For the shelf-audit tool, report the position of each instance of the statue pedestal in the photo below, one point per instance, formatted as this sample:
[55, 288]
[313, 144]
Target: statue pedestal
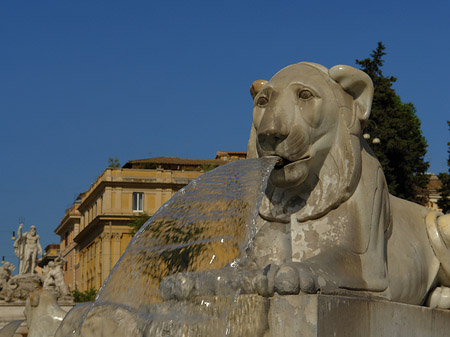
[324, 315]
[256, 316]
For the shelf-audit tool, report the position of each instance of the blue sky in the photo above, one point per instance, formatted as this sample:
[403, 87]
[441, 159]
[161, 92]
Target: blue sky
[82, 81]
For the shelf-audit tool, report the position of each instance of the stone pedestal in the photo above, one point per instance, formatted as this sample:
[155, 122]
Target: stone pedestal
[324, 316]
[256, 316]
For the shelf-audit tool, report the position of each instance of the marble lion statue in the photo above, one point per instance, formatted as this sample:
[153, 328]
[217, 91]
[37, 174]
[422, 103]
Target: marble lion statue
[328, 223]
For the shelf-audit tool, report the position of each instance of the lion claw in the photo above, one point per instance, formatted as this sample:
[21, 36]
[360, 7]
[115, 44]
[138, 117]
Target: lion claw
[288, 279]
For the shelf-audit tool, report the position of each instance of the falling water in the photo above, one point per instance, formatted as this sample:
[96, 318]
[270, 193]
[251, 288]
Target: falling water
[206, 226]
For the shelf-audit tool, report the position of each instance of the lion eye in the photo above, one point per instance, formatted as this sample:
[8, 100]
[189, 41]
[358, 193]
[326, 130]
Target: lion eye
[262, 101]
[305, 94]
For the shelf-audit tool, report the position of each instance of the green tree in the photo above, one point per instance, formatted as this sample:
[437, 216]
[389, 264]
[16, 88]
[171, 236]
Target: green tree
[137, 222]
[444, 201]
[84, 296]
[113, 163]
[402, 148]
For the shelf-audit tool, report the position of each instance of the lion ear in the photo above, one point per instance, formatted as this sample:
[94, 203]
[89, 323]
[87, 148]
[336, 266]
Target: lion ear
[358, 84]
[256, 87]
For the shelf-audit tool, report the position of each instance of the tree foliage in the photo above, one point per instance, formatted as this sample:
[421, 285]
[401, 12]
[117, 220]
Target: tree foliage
[113, 163]
[137, 222]
[84, 296]
[402, 148]
[444, 201]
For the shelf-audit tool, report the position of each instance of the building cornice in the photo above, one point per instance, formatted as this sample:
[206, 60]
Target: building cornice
[96, 226]
[68, 220]
[145, 181]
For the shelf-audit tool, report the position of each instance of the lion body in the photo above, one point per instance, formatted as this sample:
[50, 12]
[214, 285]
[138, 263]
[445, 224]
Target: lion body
[327, 212]
[327, 222]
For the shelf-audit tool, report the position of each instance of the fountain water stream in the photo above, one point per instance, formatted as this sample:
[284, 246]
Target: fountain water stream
[206, 226]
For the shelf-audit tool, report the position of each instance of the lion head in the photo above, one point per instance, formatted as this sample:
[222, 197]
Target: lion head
[311, 118]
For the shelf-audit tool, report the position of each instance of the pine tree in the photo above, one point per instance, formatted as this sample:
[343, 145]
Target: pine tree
[402, 148]
[444, 201]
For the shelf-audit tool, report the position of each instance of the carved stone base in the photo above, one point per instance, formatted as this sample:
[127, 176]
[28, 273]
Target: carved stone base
[256, 316]
[321, 315]
[304, 316]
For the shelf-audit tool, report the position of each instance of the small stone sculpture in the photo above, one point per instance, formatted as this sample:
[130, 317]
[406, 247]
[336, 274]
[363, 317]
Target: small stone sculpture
[6, 273]
[27, 247]
[7, 284]
[54, 279]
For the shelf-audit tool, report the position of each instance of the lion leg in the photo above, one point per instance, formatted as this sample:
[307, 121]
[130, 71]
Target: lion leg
[221, 282]
[334, 272]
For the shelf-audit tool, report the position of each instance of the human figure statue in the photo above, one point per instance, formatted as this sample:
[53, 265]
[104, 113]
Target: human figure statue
[54, 278]
[27, 247]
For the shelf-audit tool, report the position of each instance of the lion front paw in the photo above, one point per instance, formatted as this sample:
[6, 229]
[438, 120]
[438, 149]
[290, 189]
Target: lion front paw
[287, 279]
[182, 286]
[176, 287]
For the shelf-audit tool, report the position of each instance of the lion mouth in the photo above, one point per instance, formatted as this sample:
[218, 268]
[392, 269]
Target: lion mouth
[283, 162]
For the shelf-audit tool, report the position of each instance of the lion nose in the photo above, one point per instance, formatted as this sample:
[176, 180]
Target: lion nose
[273, 128]
[269, 138]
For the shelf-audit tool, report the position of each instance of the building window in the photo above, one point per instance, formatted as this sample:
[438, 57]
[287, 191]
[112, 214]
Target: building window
[138, 202]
